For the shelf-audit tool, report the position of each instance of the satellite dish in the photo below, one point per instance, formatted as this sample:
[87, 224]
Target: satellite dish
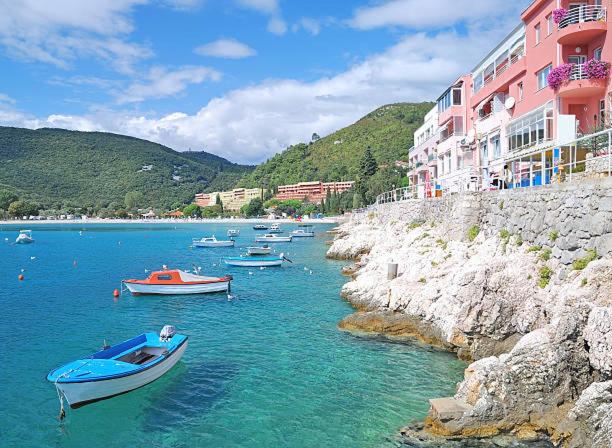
[470, 136]
[509, 103]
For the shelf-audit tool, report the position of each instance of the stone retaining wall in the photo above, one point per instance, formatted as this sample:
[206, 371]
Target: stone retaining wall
[568, 218]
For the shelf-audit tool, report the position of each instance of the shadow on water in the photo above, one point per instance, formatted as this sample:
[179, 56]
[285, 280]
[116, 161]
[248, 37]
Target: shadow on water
[194, 390]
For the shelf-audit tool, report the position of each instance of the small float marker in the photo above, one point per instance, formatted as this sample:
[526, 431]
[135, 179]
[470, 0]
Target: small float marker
[116, 293]
[21, 277]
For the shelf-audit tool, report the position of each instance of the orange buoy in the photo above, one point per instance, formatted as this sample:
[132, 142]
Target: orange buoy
[21, 277]
[116, 293]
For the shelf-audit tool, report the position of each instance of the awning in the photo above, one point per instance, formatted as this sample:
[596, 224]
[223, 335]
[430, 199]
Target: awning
[487, 99]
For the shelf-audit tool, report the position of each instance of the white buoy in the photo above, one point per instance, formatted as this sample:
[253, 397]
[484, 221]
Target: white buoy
[32, 258]
[250, 273]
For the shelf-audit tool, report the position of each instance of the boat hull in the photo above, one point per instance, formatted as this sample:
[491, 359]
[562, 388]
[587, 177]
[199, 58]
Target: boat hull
[202, 288]
[23, 240]
[215, 244]
[254, 263]
[83, 393]
[258, 251]
[303, 235]
[280, 239]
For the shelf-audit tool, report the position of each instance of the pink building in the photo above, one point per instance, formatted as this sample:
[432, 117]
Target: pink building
[503, 122]
[422, 157]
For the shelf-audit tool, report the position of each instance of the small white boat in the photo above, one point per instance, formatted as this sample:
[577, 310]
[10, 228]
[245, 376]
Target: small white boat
[275, 228]
[270, 238]
[259, 250]
[304, 230]
[256, 261]
[233, 232]
[175, 281]
[119, 369]
[24, 237]
[260, 227]
[212, 242]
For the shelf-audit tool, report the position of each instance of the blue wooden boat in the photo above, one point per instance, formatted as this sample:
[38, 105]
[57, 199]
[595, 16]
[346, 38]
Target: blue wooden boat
[118, 369]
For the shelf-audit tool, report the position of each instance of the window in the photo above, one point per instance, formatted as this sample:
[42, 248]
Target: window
[457, 97]
[164, 277]
[531, 129]
[495, 143]
[602, 112]
[549, 25]
[597, 54]
[484, 153]
[537, 33]
[520, 91]
[542, 75]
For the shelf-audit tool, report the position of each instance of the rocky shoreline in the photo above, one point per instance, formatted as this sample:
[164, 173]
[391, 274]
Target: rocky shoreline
[537, 328]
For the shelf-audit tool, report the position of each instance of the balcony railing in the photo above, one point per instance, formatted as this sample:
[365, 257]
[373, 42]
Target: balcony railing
[582, 14]
[430, 157]
[498, 70]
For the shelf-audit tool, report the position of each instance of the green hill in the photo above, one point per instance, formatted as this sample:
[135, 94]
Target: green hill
[388, 131]
[60, 169]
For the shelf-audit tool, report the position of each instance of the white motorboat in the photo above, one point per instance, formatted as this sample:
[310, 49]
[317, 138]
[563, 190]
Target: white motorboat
[275, 228]
[212, 242]
[175, 281]
[119, 369]
[24, 237]
[233, 232]
[270, 238]
[259, 250]
[304, 230]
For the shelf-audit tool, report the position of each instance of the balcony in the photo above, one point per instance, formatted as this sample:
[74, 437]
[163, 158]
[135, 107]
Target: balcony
[500, 78]
[581, 25]
[582, 84]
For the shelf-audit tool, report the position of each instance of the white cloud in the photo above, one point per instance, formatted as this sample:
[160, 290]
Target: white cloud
[182, 5]
[161, 83]
[313, 26]
[420, 14]
[4, 98]
[226, 48]
[264, 6]
[58, 32]
[277, 26]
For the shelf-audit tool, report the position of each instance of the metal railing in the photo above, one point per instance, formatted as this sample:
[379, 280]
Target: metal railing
[498, 70]
[584, 13]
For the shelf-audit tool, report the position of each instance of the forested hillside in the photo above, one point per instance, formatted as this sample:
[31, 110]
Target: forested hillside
[60, 169]
[388, 131]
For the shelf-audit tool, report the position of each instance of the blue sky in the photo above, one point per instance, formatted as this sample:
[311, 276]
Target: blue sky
[239, 78]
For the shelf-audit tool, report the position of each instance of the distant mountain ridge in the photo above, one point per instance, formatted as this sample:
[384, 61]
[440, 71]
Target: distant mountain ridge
[56, 167]
[388, 130]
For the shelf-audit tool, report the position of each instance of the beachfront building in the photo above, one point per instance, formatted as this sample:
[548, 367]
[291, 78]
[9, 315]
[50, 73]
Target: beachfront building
[422, 157]
[313, 192]
[510, 120]
[232, 200]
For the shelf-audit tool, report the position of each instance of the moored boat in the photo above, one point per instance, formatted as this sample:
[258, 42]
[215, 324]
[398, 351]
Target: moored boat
[260, 227]
[24, 237]
[259, 250]
[275, 228]
[212, 241]
[270, 238]
[256, 261]
[120, 368]
[233, 232]
[304, 230]
[175, 281]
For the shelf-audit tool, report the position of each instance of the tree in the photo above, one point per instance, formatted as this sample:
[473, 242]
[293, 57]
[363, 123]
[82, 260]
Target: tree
[193, 211]
[253, 208]
[368, 165]
[357, 201]
[6, 197]
[22, 208]
[315, 137]
[133, 199]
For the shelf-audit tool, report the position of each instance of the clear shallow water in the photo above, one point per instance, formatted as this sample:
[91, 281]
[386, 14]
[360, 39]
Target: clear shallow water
[268, 368]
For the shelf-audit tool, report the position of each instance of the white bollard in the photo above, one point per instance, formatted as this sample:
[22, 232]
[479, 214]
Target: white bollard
[391, 271]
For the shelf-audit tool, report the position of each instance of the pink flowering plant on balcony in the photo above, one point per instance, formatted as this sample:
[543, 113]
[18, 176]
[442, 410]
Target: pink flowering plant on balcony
[559, 14]
[595, 69]
[559, 75]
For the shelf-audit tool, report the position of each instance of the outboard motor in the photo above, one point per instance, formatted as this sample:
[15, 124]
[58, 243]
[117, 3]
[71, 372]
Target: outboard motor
[166, 333]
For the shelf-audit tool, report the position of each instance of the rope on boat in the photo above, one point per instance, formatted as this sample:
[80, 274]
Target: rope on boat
[60, 394]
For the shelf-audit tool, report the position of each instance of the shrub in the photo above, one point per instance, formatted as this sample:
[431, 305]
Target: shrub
[583, 282]
[534, 249]
[415, 224]
[519, 240]
[553, 235]
[501, 204]
[473, 233]
[582, 263]
[545, 275]
[434, 263]
[422, 280]
[545, 254]
[440, 242]
[504, 234]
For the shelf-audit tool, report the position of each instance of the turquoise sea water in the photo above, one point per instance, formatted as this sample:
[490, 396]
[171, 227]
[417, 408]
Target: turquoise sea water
[266, 369]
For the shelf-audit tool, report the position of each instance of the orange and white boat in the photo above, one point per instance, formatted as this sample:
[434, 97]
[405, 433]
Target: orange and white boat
[175, 281]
